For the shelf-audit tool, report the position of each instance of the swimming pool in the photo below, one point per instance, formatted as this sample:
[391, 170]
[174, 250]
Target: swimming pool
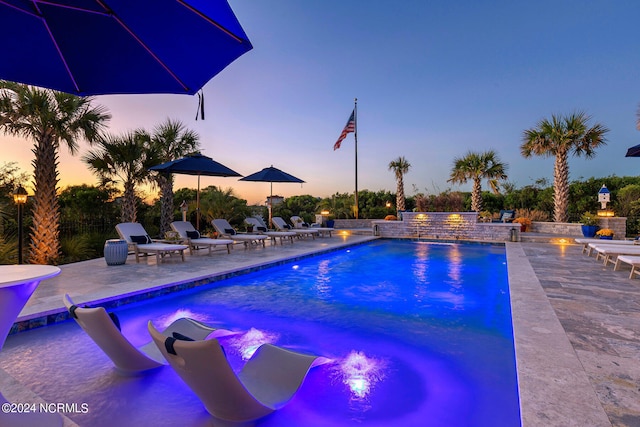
[420, 334]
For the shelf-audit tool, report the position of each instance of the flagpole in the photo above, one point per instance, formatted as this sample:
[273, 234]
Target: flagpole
[355, 135]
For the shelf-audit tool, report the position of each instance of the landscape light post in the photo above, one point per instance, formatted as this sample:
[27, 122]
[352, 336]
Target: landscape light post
[20, 198]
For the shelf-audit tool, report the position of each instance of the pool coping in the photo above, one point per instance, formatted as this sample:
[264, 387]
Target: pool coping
[554, 388]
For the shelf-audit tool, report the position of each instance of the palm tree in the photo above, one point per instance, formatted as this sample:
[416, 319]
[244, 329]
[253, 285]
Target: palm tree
[170, 140]
[125, 159]
[400, 166]
[478, 166]
[560, 137]
[48, 118]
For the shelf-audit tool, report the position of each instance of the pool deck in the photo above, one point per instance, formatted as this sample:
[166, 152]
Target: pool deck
[576, 322]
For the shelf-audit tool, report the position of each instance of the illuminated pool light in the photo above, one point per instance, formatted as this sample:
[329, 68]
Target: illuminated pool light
[360, 373]
[247, 344]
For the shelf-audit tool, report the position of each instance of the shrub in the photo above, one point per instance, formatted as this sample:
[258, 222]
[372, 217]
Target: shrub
[588, 218]
[533, 214]
[522, 220]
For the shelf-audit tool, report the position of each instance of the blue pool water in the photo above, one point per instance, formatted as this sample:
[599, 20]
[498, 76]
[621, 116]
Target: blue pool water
[420, 335]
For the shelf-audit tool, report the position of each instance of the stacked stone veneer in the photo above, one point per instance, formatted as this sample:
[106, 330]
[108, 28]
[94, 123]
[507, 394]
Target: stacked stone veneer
[445, 225]
[465, 226]
[353, 223]
[617, 224]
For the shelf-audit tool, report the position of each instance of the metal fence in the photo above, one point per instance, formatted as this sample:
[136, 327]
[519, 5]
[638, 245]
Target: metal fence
[69, 228]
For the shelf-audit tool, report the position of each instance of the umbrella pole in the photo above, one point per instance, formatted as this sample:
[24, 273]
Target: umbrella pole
[198, 206]
[271, 206]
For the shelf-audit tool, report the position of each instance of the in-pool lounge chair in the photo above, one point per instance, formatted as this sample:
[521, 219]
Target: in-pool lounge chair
[298, 223]
[281, 225]
[104, 330]
[225, 229]
[260, 228]
[266, 383]
[186, 230]
[141, 244]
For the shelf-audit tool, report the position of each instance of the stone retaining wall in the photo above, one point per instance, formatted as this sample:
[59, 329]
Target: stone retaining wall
[465, 226]
[445, 225]
[352, 223]
[617, 224]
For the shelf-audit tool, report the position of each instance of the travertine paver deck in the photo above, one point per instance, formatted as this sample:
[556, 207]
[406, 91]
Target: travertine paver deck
[599, 310]
[576, 322]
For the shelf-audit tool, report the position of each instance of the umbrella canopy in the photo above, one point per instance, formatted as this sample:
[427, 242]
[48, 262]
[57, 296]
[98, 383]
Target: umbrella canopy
[633, 151]
[195, 164]
[271, 175]
[94, 47]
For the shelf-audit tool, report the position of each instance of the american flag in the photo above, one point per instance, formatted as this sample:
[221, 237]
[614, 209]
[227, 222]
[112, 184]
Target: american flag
[350, 127]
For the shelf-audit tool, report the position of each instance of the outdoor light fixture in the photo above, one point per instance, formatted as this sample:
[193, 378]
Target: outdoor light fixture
[20, 198]
[388, 205]
[324, 213]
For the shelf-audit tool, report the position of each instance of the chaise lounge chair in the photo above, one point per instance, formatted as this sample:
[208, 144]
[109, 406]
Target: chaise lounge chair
[633, 261]
[281, 225]
[585, 243]
[267, 382]
[260, 228]
[609, 252]
[141, 244]
[104, 330]
[225, 229]
[298, 223]
[506, 215]
[186, 231]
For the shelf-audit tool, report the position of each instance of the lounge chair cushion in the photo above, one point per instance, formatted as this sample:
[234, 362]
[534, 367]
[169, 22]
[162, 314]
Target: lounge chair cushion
[230, 231]
[193, 234]
[141, 240]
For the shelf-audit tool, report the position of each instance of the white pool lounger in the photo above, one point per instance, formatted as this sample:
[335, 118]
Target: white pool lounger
[588, 240]
[610, 252]
[632, 260]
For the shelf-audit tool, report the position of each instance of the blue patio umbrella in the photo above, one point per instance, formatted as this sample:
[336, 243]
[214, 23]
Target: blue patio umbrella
[195, 164]
[633, 151]
[97, 47]
[271, 175]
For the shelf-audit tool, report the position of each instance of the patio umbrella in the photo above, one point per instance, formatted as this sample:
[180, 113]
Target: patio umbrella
[633, 151]
[271, 175]
[195, 164]
[97, 47]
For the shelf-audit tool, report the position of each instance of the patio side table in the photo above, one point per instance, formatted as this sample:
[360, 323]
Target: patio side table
[116, 251]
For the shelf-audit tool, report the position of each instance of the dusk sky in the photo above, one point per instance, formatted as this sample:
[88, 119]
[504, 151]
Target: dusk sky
[434, 79]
